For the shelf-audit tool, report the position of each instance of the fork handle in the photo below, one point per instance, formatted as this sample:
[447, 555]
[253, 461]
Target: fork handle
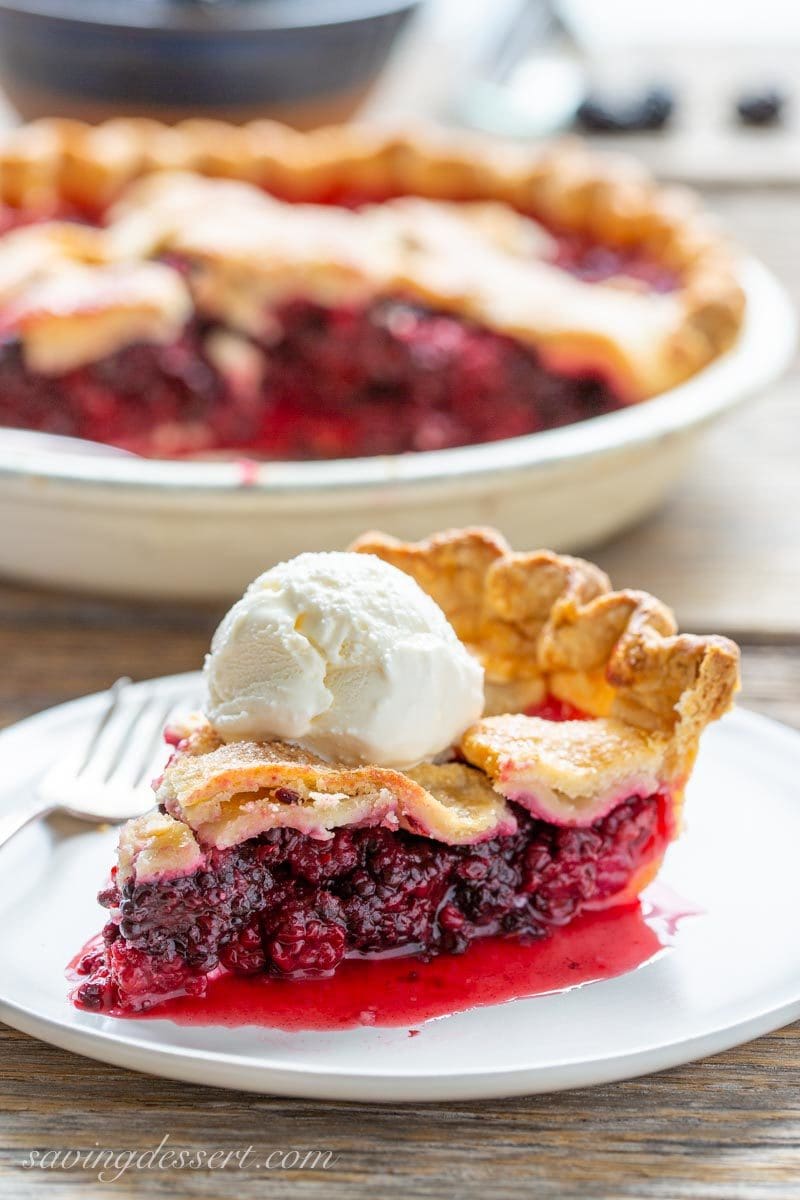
[18, 818]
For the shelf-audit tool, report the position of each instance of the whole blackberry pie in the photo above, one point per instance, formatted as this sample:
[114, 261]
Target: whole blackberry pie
[207, 289]
[406, 748]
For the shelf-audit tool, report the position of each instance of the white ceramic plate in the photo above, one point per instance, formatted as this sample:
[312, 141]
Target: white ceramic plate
[135, 527]
[733, 973]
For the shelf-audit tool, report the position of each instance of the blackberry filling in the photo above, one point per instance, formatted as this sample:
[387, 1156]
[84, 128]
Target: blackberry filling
[291, 906]
[336, 383]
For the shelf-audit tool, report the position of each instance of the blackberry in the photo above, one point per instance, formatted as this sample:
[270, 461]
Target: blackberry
[761, 108]
[642, 114]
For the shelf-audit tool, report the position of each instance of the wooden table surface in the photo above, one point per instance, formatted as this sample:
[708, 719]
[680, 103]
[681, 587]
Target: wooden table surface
[724, 552]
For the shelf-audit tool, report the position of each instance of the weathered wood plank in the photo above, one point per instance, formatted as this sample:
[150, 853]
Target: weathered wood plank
[728, 1127]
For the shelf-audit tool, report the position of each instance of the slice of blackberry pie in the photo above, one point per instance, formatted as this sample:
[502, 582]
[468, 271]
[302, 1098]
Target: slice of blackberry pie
[407, 747]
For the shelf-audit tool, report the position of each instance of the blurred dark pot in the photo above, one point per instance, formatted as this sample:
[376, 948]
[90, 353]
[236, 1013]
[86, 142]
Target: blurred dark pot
[305, 61]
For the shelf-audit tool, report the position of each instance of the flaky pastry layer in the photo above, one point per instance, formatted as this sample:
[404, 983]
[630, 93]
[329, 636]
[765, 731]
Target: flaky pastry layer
[229, 792]
[568, 772]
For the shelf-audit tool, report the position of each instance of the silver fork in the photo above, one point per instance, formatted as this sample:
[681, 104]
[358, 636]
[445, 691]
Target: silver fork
[107, 779]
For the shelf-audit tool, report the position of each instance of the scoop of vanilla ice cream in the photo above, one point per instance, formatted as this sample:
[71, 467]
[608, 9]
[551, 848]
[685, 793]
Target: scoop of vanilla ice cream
[346, 655]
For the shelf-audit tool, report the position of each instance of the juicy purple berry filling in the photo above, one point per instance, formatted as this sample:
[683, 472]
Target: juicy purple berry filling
[291, 906]
[387, 378]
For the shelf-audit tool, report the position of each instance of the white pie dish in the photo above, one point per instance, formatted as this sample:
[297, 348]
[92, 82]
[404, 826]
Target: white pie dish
[124, 525]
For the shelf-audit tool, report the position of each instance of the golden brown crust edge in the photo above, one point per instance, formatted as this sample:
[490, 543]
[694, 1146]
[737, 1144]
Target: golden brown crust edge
[608, 198]
[546, 623]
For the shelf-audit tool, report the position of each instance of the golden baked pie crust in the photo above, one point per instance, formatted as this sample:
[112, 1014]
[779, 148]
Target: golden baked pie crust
[230, 792]
[547, 624]
[564, 185]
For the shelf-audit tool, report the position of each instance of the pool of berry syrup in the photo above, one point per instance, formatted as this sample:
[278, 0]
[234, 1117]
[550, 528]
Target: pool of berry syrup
[404, 990]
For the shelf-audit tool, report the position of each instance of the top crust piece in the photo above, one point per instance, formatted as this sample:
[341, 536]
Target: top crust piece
[543, 623]
[229, 792]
